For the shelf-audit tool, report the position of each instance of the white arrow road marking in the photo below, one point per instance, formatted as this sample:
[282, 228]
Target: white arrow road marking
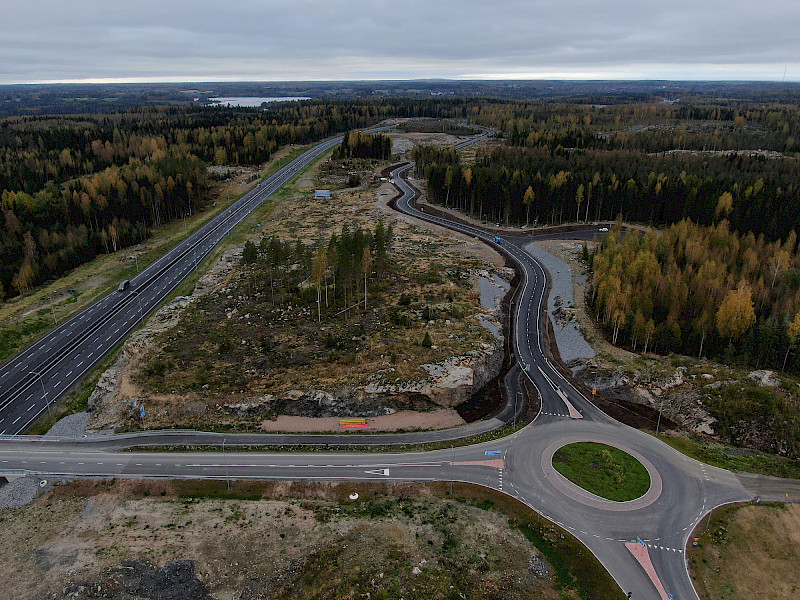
[384, 472]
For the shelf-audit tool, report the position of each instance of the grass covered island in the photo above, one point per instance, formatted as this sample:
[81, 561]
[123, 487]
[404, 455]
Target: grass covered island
[603, 470]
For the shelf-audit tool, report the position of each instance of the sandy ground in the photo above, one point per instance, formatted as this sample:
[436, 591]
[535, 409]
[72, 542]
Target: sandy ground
[404, 419]
[569, 251]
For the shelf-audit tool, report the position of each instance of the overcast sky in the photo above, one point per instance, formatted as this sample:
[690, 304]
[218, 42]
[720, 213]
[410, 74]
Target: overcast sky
[239, 40]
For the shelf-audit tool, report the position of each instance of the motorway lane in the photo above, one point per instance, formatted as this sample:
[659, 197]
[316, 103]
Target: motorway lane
[39, 375]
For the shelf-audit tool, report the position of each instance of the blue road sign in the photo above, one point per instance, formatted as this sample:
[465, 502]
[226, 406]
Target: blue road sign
[493, 453]
[141, 412]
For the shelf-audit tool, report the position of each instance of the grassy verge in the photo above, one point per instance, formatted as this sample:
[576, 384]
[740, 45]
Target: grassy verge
[166, 238]
[278, 164]
[733, 459]
[747, 551]
[603, 470]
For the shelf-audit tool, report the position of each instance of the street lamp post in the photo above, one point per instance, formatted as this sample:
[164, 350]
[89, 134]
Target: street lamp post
[658, 422]
[44, 391]
[141, 311]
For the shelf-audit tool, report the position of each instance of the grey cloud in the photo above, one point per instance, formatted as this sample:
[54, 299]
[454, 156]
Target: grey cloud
[49, 40]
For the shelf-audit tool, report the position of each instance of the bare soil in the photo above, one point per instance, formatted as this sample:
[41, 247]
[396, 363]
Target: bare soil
[405, 419]
[269, 540]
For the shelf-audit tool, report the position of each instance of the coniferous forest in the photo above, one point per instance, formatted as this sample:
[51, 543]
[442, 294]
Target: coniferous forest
[719, 172]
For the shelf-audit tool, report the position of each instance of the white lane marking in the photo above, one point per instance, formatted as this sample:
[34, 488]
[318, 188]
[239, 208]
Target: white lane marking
[17, 419]
[31, 406]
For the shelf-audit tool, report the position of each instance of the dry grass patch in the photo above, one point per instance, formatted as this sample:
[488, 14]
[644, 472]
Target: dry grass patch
[748, 551]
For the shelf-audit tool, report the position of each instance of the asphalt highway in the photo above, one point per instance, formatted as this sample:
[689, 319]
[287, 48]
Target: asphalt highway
[682, 490]
[33, 380]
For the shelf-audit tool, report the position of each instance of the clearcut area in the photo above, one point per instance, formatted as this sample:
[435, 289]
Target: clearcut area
[603, 470]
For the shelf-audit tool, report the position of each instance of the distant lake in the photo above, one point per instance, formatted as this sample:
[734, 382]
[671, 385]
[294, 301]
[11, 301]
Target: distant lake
[253, 101]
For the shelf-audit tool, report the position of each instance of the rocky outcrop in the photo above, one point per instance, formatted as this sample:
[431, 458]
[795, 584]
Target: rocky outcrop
[450, 381]
[765, 378]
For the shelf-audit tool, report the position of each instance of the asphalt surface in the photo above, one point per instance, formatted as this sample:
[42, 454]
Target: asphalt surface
[682, 490]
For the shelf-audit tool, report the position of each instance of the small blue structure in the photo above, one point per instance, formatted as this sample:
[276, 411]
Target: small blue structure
[322, 194]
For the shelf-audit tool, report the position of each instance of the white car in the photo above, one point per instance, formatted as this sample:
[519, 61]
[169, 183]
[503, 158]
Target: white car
[604, 229]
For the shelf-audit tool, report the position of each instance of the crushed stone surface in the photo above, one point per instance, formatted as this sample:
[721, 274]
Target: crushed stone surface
[571, 343]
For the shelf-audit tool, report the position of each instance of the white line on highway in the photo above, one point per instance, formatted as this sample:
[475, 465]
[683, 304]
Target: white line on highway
[17, 419]
[30, 407]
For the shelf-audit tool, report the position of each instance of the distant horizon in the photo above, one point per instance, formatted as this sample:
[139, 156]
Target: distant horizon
[463, 80]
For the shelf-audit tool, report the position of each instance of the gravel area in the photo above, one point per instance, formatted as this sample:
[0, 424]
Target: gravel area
[71, 426]
[22, 491]
[574, 349]
[493, 288]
